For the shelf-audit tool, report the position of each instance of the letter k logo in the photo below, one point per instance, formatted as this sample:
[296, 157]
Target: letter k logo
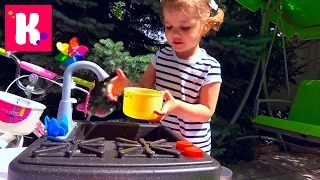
[28, 28]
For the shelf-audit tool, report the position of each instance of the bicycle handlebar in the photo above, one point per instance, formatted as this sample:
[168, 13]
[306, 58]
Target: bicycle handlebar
[37, 70]
[10, 55]
[3, 52]
[82, 82]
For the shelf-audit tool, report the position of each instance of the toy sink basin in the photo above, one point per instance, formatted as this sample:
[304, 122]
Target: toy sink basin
[18, 115]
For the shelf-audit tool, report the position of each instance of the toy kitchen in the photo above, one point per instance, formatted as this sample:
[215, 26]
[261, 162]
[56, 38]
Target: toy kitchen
[109, 150]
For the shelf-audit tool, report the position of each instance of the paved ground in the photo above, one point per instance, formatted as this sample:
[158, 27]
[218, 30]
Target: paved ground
[279, 166]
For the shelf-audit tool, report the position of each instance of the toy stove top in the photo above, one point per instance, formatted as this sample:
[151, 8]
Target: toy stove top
[54, 151]
[142, 148]
[109, 151]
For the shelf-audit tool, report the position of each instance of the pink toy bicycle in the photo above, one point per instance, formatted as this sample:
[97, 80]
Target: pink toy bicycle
[21, 116]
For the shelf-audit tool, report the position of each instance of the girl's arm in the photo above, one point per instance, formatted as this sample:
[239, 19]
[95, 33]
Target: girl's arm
[206, 107]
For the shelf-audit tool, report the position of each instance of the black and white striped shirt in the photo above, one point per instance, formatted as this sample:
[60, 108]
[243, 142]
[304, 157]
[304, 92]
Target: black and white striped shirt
[183, 79]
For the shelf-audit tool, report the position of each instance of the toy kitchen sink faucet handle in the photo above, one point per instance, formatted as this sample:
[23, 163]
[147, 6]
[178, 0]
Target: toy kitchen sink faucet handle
[65, 105]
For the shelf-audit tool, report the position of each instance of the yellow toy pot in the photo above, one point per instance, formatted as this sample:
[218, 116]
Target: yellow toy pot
[140, 103]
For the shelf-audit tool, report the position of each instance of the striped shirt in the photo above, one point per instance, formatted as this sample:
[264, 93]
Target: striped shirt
[184, 79]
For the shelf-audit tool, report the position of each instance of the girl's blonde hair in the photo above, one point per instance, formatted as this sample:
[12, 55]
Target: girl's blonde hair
[202, 8]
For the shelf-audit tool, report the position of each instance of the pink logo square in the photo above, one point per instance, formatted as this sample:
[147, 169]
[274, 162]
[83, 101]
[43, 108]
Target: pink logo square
[28, 28]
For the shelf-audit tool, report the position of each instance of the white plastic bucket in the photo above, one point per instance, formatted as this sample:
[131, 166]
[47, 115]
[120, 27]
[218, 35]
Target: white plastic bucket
[18, 115]
[226, 174]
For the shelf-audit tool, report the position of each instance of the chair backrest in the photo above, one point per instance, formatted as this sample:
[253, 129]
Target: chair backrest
[306, 104]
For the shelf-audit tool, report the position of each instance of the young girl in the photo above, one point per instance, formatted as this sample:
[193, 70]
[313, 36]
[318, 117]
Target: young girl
[189, 78]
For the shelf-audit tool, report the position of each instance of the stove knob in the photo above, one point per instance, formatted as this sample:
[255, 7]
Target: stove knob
[193, 152]
[181, 145]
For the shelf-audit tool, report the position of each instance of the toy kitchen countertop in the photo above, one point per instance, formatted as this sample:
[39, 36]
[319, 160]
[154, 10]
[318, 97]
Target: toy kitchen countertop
[112, 150]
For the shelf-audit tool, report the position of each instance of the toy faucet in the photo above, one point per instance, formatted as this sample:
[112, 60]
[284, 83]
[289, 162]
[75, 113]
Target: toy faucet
[65, 105]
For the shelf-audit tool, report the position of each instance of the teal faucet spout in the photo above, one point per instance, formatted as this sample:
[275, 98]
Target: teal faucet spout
[65, 105]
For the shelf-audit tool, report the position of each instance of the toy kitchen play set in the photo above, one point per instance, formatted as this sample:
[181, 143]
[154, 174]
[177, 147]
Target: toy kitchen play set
[84, 150]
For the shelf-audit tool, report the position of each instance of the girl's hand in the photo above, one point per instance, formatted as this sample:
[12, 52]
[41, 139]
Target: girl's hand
[169, 106]
[116, 85]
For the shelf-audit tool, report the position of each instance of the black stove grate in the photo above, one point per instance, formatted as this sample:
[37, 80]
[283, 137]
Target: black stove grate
[142, 148]
[54, 147]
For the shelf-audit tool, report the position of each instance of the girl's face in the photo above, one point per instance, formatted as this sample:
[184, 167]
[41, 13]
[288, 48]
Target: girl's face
[182, 30]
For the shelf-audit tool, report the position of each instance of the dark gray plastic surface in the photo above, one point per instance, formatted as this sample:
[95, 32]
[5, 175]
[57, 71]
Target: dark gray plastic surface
[110, 166]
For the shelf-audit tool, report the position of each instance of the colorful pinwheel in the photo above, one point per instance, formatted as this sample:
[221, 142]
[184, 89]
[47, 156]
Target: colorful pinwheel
[72, 52]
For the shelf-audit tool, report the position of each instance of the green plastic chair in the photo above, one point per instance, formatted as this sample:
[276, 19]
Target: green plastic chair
[304, 118]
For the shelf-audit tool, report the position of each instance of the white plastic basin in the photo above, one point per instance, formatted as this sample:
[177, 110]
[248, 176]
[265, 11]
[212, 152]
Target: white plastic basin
[18, 115]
